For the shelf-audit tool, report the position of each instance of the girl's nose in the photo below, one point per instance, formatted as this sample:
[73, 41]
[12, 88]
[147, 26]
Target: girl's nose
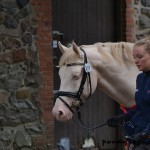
[136, 61]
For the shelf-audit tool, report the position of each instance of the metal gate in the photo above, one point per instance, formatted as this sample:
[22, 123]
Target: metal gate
[86, 22]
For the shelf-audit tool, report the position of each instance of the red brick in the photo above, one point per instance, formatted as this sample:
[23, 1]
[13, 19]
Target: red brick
[43, 17]
[19, 55]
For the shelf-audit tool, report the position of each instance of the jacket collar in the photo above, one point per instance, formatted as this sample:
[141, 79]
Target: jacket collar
[147, 73]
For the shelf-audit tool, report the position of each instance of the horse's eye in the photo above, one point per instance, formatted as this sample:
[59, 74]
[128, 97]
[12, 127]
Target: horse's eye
[75, 77]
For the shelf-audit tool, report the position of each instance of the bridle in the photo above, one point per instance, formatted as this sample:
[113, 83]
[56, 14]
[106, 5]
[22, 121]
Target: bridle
[77, 95]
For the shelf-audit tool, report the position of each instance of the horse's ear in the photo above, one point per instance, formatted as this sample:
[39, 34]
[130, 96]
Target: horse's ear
[75, 48]
[62, 47]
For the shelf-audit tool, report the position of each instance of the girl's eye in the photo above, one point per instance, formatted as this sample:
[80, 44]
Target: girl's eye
[140, 56]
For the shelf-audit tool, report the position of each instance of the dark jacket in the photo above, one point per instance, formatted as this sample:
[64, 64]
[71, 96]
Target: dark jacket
[140, 117]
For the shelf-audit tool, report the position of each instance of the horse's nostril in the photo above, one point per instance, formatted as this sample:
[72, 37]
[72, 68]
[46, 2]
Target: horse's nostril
[60, 113]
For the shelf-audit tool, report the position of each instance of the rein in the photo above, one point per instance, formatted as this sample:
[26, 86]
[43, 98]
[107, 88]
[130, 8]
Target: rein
[77, 95]
[83, 125]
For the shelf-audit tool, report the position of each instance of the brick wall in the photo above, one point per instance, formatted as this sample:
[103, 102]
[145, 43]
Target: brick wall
[128, 21]
[44, 18]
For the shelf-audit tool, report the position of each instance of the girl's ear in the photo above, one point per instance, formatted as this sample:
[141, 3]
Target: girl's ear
[62, 47]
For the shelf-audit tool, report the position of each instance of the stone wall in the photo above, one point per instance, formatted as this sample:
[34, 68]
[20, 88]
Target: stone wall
[136, 20]
[142, 18]
[25, 75]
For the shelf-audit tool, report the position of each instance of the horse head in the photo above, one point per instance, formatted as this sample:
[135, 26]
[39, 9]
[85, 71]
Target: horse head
[78, 81]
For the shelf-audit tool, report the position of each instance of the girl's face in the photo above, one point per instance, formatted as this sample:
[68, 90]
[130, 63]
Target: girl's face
[142, 58]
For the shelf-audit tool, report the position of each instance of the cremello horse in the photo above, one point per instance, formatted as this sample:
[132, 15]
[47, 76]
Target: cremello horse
[108, 66]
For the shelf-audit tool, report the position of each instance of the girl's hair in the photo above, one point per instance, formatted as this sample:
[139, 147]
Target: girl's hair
[144, 42]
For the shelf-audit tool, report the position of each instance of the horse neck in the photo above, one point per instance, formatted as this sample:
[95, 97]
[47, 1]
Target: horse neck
[116, 80]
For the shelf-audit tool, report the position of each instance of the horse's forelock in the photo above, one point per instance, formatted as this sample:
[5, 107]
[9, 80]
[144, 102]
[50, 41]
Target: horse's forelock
[66, 57]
